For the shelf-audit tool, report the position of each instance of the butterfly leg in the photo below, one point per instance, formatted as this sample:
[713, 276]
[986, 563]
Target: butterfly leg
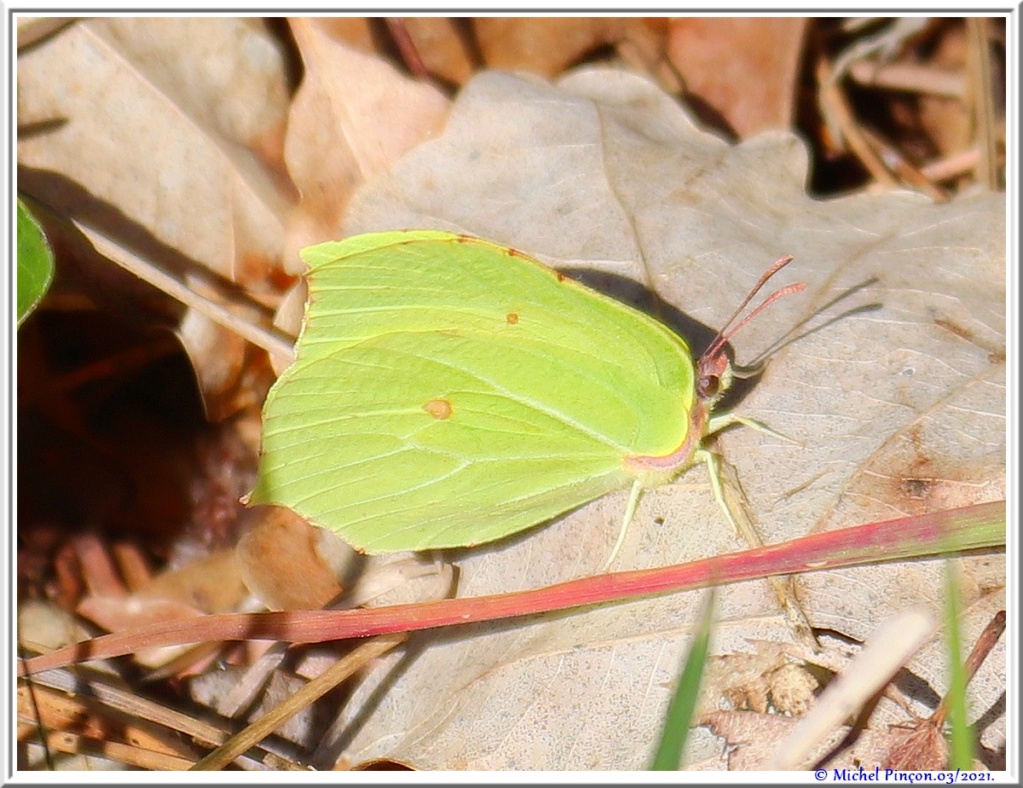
[713, 462]
[784, 590]
[630, 511]
[715, 424]
[724, 420]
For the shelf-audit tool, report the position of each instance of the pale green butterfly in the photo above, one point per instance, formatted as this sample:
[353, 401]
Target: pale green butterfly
[448, 391]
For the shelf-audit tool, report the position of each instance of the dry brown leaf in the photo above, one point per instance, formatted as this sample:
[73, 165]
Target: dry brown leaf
[352, 118]
[743, 70]
[290, 565]
[441, 44]
[550, 45]
[922, 747]
[212, 584]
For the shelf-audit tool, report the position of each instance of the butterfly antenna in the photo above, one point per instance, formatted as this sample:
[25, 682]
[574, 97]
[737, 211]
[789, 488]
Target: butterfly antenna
[725, 334]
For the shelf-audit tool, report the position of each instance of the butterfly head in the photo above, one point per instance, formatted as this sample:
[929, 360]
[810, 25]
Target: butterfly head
[714, 372]
[713, 377]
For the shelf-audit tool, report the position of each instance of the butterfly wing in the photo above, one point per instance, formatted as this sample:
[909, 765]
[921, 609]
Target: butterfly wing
[448, 391]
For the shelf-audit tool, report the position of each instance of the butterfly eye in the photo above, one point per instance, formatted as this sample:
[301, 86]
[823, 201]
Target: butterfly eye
[708, 386]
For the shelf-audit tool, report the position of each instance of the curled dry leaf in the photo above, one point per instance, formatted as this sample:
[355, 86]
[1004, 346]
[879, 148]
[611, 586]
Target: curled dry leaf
[290, 565]
[352, 117]
[165, 134]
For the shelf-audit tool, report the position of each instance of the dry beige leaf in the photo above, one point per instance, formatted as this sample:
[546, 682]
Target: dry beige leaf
[165, 134]
[44, 626]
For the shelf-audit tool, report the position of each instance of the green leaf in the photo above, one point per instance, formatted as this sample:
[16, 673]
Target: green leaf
[35, 263]
[448, 391]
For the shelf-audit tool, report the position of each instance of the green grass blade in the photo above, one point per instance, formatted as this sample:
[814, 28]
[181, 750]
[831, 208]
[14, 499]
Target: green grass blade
[961, 753]
[680, 711]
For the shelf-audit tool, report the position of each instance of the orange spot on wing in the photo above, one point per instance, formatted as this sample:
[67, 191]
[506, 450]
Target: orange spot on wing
[512, 318]
[439, 408]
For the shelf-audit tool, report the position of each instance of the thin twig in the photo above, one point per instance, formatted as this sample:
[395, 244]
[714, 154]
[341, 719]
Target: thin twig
[898, 164]
[909, 77]
[322, 684]
[837, 106]
[979, 61]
